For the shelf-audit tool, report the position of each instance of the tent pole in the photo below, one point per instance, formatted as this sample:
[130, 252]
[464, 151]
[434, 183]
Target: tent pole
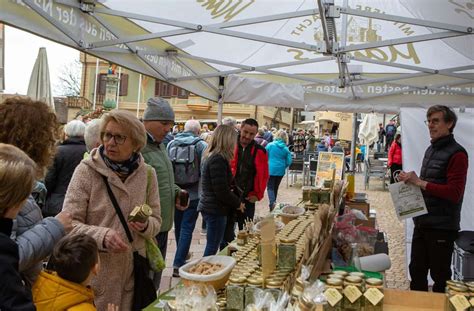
[95, 82]
[353, 143]
[220, 102]
[118, 87]
[139, 94]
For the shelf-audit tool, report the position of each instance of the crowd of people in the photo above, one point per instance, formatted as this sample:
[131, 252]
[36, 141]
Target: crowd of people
[66, 239]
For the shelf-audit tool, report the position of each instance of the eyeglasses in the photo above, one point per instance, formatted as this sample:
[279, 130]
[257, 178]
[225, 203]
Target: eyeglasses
[119, 139]
[434, 121]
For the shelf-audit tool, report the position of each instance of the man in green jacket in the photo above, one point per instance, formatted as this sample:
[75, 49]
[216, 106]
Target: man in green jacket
[158, 119]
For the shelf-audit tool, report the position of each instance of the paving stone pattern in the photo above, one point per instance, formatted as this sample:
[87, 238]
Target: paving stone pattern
[379, 199]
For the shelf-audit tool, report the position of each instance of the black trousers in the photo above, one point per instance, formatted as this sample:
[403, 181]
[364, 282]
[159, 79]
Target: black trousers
[395, 169]
[431, 250]
[248, 214]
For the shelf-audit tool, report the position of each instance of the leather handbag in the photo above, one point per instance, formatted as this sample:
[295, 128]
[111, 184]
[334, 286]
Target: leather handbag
[144, 292]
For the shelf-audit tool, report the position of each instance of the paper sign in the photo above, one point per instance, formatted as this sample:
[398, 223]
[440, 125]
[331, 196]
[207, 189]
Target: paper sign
[333, 296]
[407, 200]
[373, 295]
[352, 293]
[460, 302]
[327, 163]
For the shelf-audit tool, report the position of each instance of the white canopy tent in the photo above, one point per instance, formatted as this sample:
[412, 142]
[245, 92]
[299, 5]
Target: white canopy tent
[346, 55]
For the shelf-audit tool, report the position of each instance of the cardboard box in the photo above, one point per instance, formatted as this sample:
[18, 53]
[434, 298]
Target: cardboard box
[362, 206]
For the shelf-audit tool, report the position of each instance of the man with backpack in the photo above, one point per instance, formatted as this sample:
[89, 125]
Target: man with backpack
[158, 119]
[185, 153]
[390, 131]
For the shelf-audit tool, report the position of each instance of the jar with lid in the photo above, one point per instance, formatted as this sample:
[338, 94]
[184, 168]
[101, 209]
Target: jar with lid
[353, 290]
[297, 290]
[274, 287]
[373, 295]
[235, 293]
[305, 304]
[242, 238]
[333, 294]
[253, 285]
[457, 297]
[287, 253]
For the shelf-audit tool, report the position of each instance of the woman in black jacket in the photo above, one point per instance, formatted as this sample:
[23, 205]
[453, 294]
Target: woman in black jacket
[217, 199]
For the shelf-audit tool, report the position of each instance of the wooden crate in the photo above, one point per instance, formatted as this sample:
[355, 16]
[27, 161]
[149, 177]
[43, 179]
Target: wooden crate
[362, 206]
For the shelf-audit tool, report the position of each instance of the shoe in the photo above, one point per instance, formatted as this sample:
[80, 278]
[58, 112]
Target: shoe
[203, 231]
[189, 256]
[176, 272]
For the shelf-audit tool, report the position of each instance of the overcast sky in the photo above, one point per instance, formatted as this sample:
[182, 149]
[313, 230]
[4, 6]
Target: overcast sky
[21, 50]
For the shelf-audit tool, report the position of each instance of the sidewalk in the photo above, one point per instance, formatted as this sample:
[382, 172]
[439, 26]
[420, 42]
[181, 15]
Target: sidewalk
[379, 200]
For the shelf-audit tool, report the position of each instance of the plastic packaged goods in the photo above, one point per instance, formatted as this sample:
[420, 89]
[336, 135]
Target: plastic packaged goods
[235, 293]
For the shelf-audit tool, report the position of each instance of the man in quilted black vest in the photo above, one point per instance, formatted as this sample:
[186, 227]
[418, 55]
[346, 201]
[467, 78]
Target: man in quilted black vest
[442, 180]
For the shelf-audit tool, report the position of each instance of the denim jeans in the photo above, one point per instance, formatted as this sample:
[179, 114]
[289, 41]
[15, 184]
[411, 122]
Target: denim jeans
[272, 189]
[184, 223]
[215, 232]
[162, 241]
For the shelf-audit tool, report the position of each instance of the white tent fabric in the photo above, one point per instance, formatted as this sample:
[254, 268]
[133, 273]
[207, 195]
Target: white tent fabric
[368, 130]
[257, 92]
[39, 87]
[415, 135]
[398, 53]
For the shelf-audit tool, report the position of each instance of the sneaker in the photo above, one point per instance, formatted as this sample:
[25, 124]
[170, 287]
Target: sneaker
[203, 231]
[176, 272]
[189, 256]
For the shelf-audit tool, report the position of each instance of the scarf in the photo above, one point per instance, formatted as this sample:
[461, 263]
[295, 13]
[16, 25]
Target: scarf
[122, 169]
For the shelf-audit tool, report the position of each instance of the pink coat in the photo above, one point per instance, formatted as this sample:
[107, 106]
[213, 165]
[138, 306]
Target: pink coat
[93, 214]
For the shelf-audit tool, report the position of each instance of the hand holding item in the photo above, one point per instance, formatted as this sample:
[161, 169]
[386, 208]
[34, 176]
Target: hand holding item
[112, 307]
[182, 200]
[65, 219]
[138, 226]
[114, 242]
[252, 199]
[412, 178]
[241, 207]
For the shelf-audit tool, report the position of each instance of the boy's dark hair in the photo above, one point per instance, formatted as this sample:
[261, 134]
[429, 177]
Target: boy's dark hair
[250, 121]
[74, 257]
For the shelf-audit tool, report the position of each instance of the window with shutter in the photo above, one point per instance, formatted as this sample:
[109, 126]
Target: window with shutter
[182, 93]
[123, 84]
[101, 83]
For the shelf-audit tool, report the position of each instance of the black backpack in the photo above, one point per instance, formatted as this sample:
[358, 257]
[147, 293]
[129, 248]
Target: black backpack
[186, 163]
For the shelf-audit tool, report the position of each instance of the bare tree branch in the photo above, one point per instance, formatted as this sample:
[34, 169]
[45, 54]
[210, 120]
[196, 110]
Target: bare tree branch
[70, 80]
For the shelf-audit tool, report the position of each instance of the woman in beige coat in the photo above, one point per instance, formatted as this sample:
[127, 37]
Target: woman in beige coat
[118, 158]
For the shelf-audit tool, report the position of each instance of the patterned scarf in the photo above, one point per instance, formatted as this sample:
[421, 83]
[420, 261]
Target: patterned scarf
[122, 169]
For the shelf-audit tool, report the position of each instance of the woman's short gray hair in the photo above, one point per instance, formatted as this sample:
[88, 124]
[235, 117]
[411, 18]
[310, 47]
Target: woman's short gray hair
[92, 134]
[192, 126]
[130, 123]
[231, 121]
[75, 128]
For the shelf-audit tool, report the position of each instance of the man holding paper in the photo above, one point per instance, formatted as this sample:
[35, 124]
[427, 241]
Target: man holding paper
[442, 181]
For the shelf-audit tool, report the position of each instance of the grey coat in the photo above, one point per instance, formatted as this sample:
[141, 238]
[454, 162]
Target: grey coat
[35, 237]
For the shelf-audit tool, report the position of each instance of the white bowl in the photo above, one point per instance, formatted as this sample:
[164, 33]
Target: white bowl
[217, 279]
[278, 226]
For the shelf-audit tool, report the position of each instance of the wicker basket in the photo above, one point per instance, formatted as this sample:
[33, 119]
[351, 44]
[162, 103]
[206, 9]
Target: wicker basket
[216, 280]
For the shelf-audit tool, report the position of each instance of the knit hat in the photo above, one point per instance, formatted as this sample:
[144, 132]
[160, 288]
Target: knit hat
[158, 109]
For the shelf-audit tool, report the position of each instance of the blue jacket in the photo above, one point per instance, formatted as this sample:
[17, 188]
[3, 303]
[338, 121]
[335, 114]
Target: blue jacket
[279, 157]
[189, 138]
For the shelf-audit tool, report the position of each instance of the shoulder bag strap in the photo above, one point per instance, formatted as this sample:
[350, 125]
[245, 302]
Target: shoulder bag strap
[117, 210]
[149, 175]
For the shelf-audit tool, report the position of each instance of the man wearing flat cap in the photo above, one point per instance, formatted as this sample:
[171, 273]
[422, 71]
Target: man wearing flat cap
[158, 119]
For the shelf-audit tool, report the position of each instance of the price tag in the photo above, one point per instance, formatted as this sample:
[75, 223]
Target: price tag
[352, 293]
[333, 296]
[373, 295]
[472, 302]
[459, 302]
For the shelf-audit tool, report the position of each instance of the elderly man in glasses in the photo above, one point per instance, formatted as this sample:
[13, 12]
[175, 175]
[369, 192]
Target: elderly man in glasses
[442, 180]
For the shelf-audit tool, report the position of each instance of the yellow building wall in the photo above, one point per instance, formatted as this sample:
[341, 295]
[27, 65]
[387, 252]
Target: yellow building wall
[193, 107]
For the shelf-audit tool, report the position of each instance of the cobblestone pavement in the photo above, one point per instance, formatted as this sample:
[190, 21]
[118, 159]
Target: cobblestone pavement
[380, 201]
